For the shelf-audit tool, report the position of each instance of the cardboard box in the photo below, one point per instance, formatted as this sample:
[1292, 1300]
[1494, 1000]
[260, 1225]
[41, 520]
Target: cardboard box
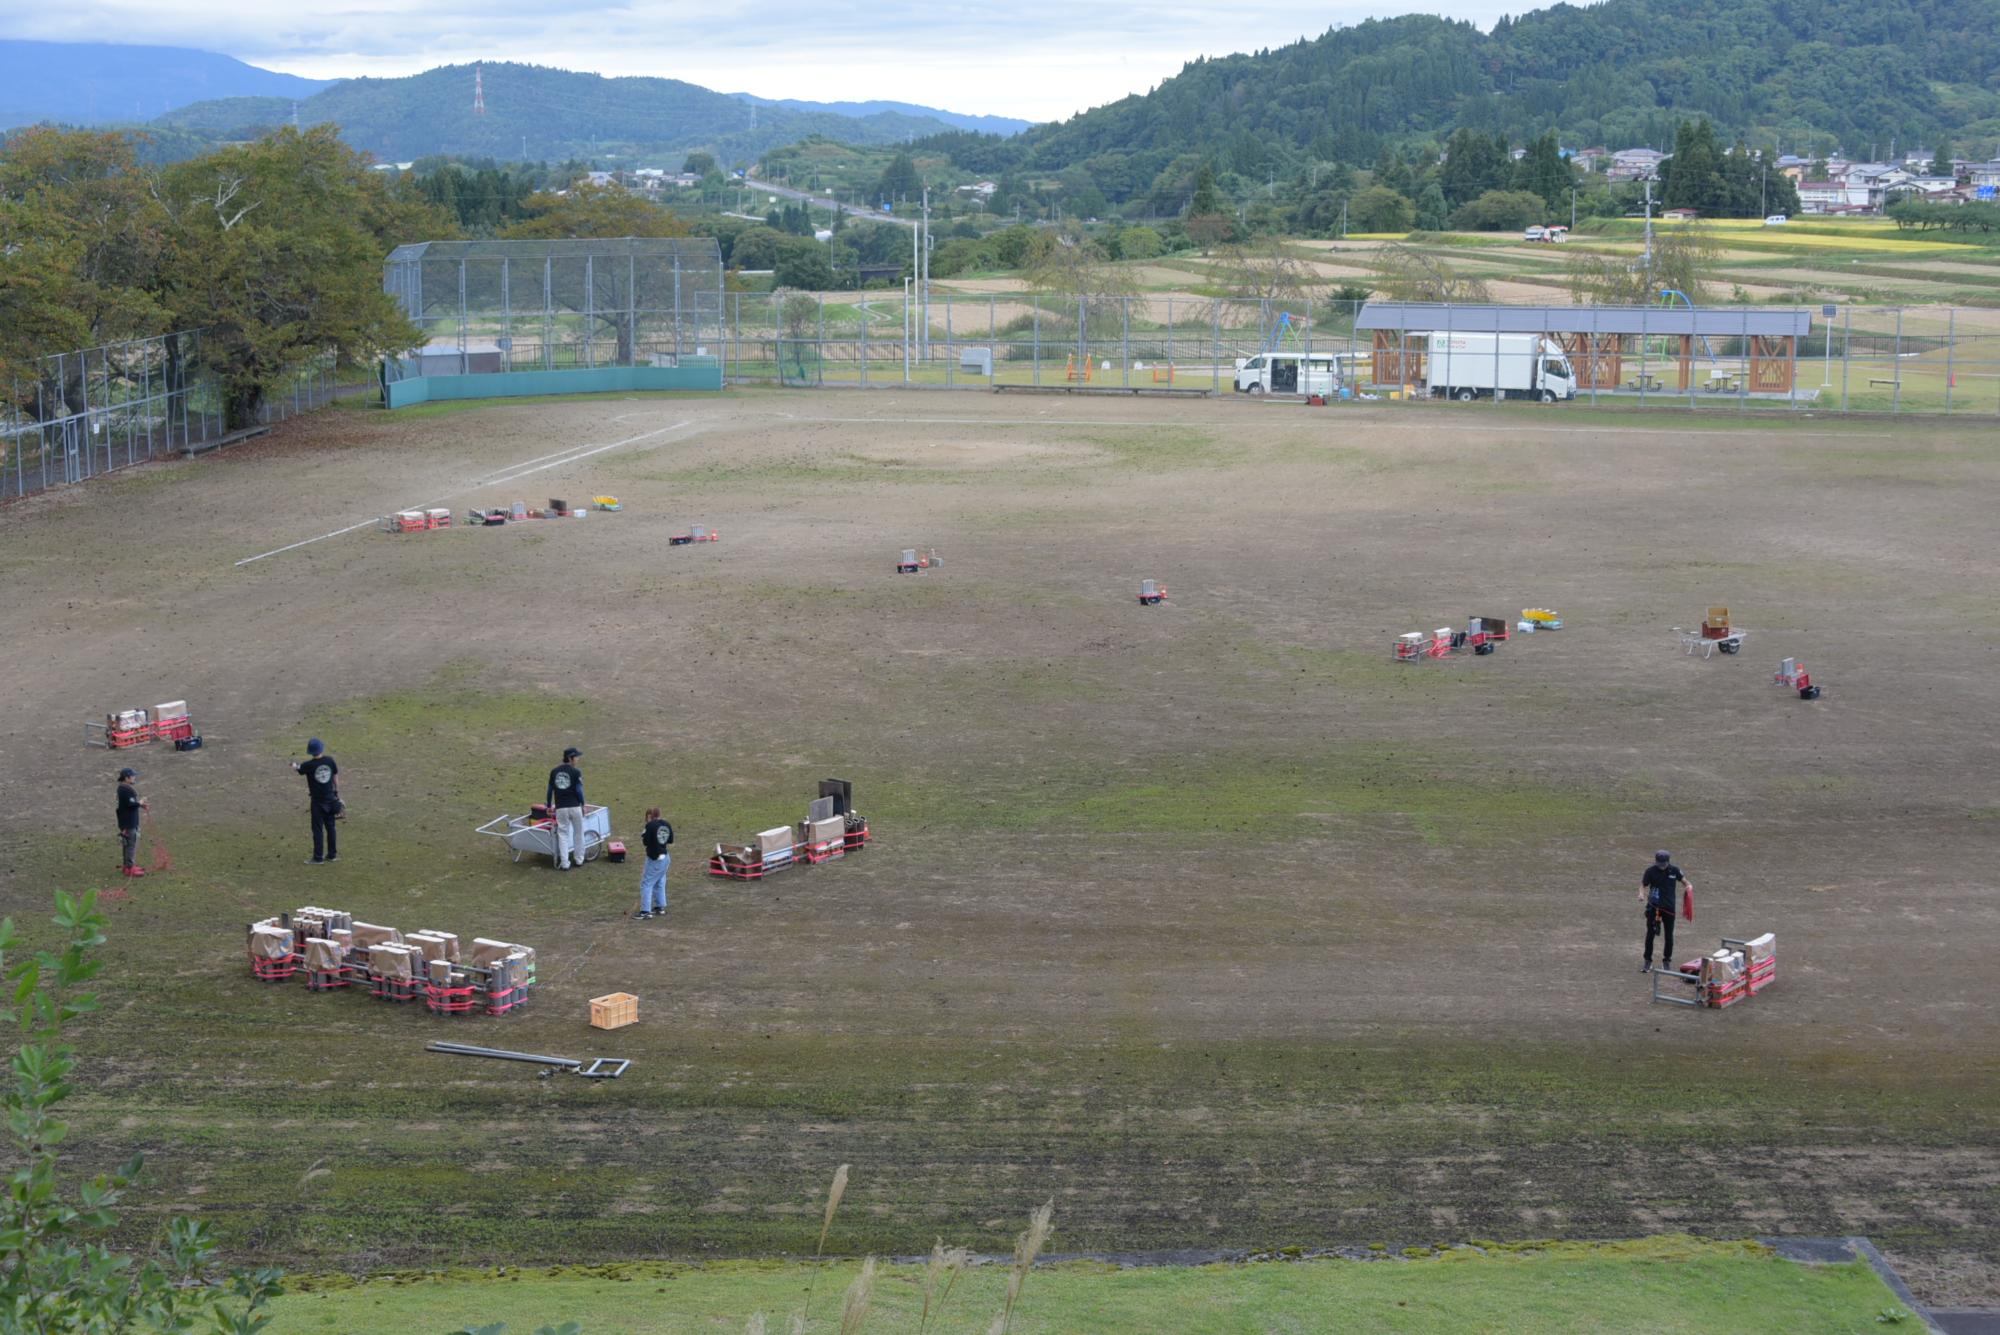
[369, 934]
[390, 960]
[269, 941]
[775, 841]
[440, 972]
[322, 955]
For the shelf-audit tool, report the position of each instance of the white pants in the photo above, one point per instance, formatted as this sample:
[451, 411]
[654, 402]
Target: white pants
[569, 835]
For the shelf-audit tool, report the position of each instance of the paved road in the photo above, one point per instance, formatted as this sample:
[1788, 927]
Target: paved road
[860, 211]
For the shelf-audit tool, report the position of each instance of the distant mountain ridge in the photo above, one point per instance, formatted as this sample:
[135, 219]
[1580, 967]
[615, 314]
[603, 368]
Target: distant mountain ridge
[958, 120]
[97, 83]
[541, 114]
[1799, 75]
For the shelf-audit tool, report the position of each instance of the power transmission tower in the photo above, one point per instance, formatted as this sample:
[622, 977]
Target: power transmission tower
[479, 89]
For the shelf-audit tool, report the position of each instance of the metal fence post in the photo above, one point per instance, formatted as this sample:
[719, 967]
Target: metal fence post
[1215, 351]
[1036, 306]
[1846, 350]
[1125, 341]
[1950, 354]
[1896, 389]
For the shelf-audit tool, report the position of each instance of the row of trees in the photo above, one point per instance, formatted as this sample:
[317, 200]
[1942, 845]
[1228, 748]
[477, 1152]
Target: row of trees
[274, 248]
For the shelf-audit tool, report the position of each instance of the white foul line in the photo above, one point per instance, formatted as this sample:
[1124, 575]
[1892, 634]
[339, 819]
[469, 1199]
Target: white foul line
[511, 473]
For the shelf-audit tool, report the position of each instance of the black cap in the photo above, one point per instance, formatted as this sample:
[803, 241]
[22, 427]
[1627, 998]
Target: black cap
[128, 774]
[1663, 856]
[571, 753]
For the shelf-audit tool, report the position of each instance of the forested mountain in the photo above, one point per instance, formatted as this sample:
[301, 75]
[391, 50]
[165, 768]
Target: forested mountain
[1798, 75]
[535, 113]
[958, 120]
[97, 83]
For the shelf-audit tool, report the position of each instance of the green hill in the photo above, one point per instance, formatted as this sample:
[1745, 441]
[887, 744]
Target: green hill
[1800, 75]
[557, 113]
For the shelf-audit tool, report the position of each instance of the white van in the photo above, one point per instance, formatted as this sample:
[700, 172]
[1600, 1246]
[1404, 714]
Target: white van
[1287, 373]
[1776, 220]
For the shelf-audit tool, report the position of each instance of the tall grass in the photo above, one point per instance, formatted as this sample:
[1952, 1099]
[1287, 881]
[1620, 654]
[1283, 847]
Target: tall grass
[1026, 1248]
[854, 1304]
[945, 1264]
[833, 1195]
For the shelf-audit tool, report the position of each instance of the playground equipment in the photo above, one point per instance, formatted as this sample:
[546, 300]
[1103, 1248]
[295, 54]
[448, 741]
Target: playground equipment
[1079, 369]
[1151, 593]
[1793, 674]
[1163, 375]
[1736, 970]
[699, 533]
[169, 722]
[1716, 633]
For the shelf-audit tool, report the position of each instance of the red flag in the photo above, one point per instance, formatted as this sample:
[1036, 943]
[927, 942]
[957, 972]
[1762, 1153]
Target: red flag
[1687, 904]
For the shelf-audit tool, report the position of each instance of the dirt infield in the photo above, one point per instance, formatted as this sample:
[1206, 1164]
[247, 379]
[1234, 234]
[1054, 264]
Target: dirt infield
[1208, 920]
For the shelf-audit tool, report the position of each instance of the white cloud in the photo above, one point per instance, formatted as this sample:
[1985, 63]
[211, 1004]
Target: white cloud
[1037, 59]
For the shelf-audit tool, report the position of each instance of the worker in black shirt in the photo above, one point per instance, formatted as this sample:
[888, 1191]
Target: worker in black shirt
[566, 798]
[653, 877]
[130, 804]
[322, 799]
[1657, 891]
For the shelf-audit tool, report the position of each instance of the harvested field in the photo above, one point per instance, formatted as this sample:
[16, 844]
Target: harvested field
[1209, 921]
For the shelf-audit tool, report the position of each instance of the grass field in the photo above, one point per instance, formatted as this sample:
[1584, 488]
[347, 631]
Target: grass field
[1208, 922]
[1663, 1284]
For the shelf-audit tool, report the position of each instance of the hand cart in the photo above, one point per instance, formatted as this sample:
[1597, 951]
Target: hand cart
[536, 832]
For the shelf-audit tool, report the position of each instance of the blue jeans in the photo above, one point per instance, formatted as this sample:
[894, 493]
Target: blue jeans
[653, 884]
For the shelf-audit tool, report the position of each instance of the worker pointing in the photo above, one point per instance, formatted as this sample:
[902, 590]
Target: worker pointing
[565, 798]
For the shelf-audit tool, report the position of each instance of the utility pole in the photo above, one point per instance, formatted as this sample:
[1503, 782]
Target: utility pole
[1649, 235]
[1572, 209]
[924, 281]
[1343, 220]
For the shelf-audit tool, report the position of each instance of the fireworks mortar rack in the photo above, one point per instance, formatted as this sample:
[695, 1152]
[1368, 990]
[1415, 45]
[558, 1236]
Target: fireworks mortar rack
[832, 829]
[1737, 969]
[416, 521]
[1793, 674]
[699, 533]
[1482, 635]
[521, 512]
[330, 950]
[1151, 593]
[126, 728]
[917, 562]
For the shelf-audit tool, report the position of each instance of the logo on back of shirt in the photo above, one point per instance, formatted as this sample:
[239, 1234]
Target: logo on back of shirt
[322, 774]
[562, 783]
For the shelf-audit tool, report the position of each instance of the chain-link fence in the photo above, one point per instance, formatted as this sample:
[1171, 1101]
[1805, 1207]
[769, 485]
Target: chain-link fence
[94, 410]
[1858, 359]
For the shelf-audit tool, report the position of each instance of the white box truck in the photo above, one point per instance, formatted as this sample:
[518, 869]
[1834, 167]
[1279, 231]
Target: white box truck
[1288, 373]
[1476, 366]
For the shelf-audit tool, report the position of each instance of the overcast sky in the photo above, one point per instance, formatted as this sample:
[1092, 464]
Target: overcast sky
[1035, 59]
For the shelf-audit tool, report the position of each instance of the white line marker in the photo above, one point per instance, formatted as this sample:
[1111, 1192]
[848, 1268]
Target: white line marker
[575, 454]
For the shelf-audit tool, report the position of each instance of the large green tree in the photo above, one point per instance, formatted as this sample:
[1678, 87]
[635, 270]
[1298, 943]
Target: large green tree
[586, 210]
[269, 255]
[81, 241]
[899, 181]
[1543, 170]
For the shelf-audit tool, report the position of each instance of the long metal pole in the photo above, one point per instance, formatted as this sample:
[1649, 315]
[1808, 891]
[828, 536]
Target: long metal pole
[1896, 390]
[1950, 354]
